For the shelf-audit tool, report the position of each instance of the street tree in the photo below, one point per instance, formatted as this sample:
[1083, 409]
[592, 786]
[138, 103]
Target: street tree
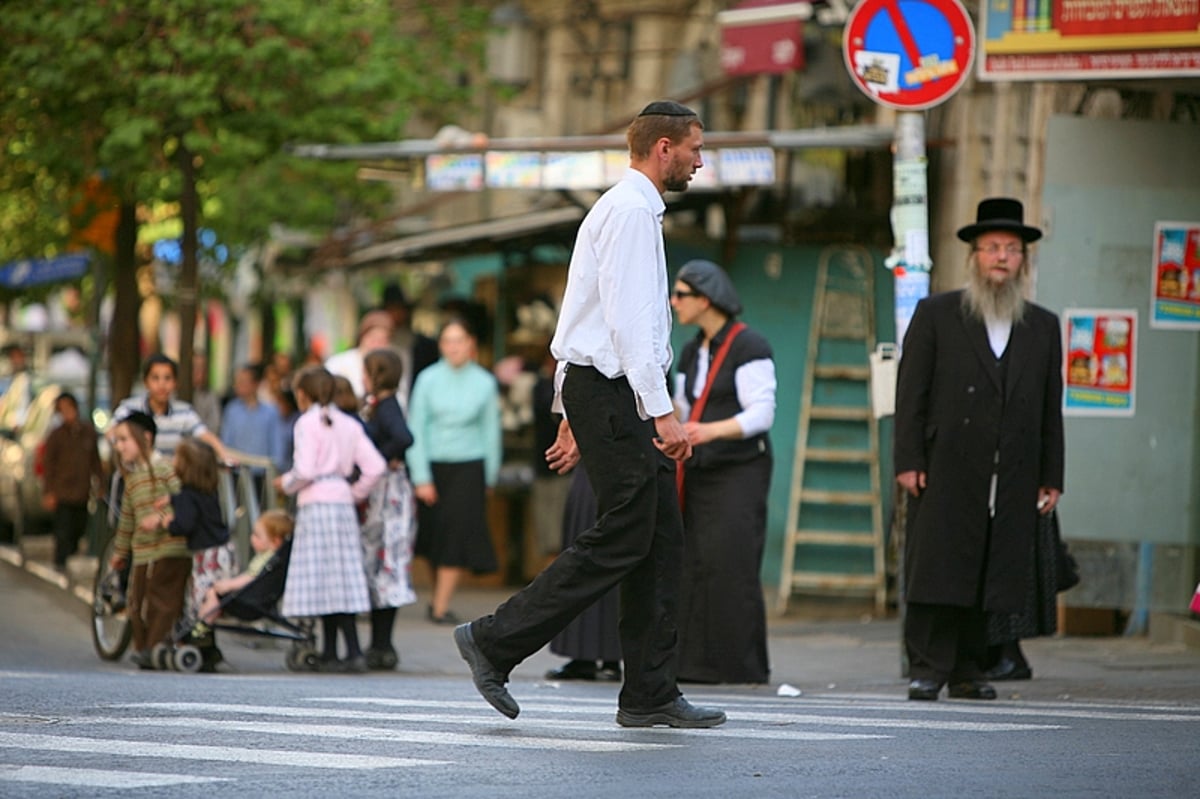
[182, 100]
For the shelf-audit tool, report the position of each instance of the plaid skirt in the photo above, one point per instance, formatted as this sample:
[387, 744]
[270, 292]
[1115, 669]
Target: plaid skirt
[325, 572]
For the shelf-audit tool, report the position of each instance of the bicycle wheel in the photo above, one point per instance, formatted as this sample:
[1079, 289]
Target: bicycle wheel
[111, 630]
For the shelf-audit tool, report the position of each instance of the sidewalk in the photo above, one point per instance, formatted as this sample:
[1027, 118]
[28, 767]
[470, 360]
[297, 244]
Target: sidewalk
[819, 648]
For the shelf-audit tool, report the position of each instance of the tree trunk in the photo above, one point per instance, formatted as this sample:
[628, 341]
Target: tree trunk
[123, 339]
[187, 290]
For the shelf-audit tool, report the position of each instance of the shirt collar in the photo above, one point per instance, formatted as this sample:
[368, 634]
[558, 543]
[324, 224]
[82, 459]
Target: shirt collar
[647, 189]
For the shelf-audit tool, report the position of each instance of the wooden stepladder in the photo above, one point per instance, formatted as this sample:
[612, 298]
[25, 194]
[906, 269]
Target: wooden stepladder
[834, 542]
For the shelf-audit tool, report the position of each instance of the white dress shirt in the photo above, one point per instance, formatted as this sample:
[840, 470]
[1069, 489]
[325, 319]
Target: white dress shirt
[616, 311]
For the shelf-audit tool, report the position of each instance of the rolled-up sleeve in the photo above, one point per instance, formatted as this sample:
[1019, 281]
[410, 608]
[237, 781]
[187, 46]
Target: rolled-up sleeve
[755, 382]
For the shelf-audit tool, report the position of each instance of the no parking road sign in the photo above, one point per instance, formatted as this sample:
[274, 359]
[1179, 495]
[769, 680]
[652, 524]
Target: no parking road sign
[909, 54]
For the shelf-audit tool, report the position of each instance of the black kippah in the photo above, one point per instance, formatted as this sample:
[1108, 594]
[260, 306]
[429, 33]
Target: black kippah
[667, 108]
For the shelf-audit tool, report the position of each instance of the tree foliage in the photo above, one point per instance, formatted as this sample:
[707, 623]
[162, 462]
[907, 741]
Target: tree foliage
[171, 99]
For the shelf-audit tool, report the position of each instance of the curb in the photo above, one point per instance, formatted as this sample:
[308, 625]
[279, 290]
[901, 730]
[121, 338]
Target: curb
[12, 554]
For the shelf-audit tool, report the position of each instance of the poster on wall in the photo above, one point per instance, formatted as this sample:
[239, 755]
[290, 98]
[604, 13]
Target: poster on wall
[1175, 293]
[1049, 40]
[1100, 349]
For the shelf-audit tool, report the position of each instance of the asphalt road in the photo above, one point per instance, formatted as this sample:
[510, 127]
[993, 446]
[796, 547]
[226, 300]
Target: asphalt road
[72, 725]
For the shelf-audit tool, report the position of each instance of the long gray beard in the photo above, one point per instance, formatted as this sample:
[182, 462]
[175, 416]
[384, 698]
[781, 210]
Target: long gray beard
[989, 302]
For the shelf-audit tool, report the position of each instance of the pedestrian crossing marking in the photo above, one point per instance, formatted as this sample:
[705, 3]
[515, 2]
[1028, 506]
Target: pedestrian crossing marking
[551, 722]
[98, 778]
[273, 757]
[534, 708]
[344, 731]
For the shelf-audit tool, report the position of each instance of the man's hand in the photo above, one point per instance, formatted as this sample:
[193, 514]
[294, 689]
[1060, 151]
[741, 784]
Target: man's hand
[672, 438]
[912, 481]
[1047, 499]
[49, 502]
[563, 454]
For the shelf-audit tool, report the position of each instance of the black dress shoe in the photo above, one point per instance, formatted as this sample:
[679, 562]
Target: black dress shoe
[1009, 669]
[924, 690]
[677, 713]
[382, 659]
[574, 670]
[488, 679]
[972, 689]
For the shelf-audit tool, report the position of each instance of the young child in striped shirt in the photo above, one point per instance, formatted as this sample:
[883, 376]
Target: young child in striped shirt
[161, 562]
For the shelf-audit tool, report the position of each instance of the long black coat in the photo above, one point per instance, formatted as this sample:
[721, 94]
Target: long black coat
[952, 417]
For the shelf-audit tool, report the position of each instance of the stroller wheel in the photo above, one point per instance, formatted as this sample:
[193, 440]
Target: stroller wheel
[187, 658]
[160, 657]
[301, 660]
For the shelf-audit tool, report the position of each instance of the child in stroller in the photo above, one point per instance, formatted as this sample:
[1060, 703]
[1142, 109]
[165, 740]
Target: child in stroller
[250, 596]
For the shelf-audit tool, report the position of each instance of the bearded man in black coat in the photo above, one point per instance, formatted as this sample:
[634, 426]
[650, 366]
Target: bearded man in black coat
[979, 449]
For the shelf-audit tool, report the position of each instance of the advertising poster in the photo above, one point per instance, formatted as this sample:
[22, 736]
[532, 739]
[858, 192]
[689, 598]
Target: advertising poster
[1100, 350]
[453, 172]
[1175, 293]
[1051, 40]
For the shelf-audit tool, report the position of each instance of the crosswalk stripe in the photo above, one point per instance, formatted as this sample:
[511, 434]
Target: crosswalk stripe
[392, 735]
[725, 731]
[105, 746]
[1016, 707]
[97, 778]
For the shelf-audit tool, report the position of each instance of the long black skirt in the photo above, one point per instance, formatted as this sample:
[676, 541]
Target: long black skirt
[594, 634]
[722, 615]
[454, 531]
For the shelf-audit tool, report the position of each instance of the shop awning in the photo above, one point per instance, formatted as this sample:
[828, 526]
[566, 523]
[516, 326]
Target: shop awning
[516, 232]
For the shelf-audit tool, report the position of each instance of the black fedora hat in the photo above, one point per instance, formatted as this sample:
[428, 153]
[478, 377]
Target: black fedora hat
[1000, 213]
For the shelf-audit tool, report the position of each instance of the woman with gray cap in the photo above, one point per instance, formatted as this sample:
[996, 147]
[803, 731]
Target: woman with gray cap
[725, 390]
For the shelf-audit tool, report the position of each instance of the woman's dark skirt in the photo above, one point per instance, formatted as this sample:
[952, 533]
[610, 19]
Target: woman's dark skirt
[594, 634]
[454, 532]
[722, 615]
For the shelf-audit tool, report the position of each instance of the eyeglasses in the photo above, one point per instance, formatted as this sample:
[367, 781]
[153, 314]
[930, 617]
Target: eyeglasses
[1012, 250]
[681, 294]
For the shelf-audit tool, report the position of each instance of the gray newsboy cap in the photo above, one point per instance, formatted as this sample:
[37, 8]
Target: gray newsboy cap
[711, 281]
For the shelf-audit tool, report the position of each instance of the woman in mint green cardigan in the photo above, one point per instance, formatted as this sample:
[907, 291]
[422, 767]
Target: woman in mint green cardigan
[454, 415]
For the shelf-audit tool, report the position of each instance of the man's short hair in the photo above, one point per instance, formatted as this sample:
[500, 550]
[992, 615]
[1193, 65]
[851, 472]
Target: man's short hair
[67, 396]
[662, 119]
[155, 360]
[255, 369]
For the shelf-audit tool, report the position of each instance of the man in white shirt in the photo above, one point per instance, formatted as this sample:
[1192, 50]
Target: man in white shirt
[613, 350]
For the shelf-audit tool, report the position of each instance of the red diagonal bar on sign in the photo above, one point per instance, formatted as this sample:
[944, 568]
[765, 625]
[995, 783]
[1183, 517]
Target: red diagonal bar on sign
[906, 37]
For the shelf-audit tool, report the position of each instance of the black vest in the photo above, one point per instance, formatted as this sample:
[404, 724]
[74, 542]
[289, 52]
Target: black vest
[722, 398]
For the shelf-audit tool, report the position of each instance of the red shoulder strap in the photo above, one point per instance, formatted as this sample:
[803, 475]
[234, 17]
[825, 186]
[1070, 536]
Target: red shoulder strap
[702, 400]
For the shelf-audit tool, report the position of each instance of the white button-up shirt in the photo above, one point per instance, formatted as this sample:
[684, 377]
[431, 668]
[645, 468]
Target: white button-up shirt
[616, 311]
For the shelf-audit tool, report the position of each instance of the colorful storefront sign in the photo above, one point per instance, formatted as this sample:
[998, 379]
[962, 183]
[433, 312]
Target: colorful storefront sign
[1052, 40]
[729, 166]
[1175, 291]
[1101, 346]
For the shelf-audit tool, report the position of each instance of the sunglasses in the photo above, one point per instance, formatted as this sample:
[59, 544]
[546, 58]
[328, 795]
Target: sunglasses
[680, 294]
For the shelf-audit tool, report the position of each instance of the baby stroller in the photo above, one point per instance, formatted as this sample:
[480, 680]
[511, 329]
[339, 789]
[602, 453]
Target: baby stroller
[257, 601]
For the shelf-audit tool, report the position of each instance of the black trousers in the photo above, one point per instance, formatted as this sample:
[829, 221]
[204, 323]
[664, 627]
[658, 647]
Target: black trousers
[637, 541]
[70, 525]
[945, 643]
